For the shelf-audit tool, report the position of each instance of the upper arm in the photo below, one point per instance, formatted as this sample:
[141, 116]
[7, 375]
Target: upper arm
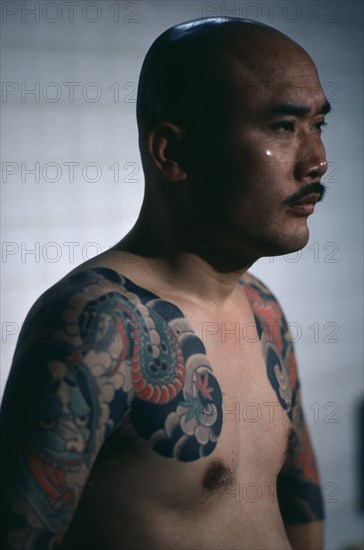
[298, 483]
[64, 396]
[298, 486]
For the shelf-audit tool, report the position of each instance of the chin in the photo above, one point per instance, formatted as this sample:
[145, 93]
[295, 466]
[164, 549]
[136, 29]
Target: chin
[296, 243]
[288, 244]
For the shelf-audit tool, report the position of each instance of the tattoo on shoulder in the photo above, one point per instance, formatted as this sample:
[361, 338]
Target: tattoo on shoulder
[299, 494]
[276, 342]
[93, 349]
[108, 347]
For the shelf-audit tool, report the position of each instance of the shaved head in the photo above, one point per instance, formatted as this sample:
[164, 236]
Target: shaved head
[187, 74]
[230, 114]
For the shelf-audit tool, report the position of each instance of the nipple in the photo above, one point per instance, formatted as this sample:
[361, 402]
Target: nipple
[217, 475]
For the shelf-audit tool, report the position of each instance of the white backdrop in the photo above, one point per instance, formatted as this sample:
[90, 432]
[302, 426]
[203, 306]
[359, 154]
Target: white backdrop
[72, 186]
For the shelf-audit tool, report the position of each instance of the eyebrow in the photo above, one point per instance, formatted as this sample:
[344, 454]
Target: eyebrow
[297, 110]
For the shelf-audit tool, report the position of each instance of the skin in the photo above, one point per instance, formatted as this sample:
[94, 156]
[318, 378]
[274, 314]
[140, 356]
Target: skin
[220, 192]
[273, 156]
[204, 190]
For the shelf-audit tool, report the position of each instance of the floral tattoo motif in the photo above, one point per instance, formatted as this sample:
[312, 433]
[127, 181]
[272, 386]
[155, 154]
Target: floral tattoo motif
[110, 348]
[164, 376]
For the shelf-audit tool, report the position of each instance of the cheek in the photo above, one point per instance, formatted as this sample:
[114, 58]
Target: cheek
[253, 159]
[272, 169]
[279, 160]
[260, 169]
[261, 182]
[269, 170]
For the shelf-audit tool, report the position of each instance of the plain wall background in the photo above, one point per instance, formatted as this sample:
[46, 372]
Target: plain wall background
[77, 132]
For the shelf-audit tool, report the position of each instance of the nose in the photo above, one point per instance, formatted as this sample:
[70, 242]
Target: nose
[311, 163]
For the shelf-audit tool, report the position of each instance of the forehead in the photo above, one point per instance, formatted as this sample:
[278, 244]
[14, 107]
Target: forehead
[297, 85]
[263, 78]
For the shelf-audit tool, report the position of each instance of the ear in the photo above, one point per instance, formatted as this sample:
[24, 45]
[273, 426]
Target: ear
[165, 148]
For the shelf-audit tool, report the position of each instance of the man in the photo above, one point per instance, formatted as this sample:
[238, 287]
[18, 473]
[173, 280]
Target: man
[153, 400]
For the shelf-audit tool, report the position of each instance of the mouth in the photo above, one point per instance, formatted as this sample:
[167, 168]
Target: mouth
[305, 206]
[50, 475]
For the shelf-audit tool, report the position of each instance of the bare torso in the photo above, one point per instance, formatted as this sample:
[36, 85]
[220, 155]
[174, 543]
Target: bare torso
[137, 498]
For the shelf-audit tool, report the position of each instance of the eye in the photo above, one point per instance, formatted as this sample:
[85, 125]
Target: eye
[284, 126]
[320, 126]
[81, 421]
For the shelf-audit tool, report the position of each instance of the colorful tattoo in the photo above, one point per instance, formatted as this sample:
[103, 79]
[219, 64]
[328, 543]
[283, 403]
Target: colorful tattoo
[106, 347]
[161, 367]
[298, 487]
[97, 346]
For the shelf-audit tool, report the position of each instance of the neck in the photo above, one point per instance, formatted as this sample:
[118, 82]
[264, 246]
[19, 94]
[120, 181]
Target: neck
[203, 269]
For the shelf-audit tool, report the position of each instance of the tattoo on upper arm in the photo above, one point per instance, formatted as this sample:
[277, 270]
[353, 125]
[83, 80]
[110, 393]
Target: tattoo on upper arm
[298, 488]
[104, 349]
[277, 348]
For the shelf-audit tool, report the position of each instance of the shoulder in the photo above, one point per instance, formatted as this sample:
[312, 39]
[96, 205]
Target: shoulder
[272, 325]
[67, 391]
[60, 305]
[269, 316]
[86, 324]
[298, 488]
[262, 300]
[75, 284]
[72, 345]
[94, 329]
[67, 332]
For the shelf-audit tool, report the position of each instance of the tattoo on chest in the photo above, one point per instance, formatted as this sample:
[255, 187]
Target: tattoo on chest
[123, 349]
[114, 350]
[149, 358]
[146, 358]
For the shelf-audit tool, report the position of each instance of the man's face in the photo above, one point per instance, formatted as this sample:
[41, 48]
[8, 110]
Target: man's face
[266, 149]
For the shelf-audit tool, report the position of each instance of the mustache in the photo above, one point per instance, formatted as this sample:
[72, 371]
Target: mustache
[315, 187]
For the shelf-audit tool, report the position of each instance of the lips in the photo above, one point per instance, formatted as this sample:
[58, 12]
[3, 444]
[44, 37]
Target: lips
[50, 474]
[305, 206]
[313, 198]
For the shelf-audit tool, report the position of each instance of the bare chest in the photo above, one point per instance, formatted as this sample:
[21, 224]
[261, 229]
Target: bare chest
[205, 400]
[199, 389]
[255, 426]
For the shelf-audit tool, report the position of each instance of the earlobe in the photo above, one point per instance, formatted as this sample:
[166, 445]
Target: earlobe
[165, 144]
